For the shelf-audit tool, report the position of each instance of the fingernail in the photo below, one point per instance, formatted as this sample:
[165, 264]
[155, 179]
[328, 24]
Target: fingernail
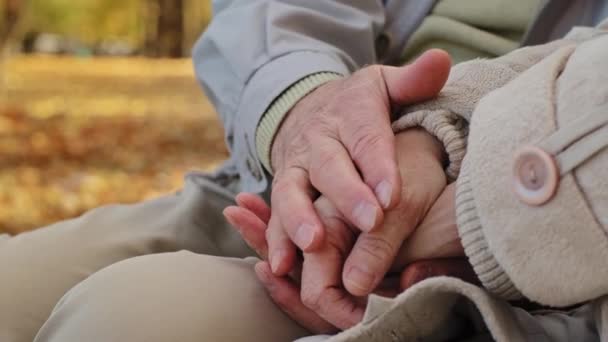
[360, 279]
[384, 190]
[365, 216]
[276, 259]
[305, 234]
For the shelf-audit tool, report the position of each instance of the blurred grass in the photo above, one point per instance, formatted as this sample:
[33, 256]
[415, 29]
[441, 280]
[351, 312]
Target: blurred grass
[79, 133]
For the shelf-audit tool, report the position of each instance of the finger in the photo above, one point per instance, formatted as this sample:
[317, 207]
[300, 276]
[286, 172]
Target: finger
[418, 81]
[251, 228]
[375, 251]
[292, 205]
[322, 290]
[287, 296]
[370, 143]
[255, 204]
[281, 251]
[333, 174]
[421, 270]
[437, 236]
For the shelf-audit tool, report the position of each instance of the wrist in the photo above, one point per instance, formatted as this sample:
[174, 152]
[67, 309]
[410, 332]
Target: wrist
[418, 140]
[272, 120]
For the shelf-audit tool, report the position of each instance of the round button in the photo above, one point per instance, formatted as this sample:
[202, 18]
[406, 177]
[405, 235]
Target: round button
[535, 175]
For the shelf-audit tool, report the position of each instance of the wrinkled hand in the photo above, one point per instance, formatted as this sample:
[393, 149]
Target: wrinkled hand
[437, 233]
[338, 141]
[322, 292]
[435, 247]
[420, 158]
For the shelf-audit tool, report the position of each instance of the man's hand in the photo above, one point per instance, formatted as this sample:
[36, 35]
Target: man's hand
[338, 141]
[435, 239]
[420, 158]
[325, 271]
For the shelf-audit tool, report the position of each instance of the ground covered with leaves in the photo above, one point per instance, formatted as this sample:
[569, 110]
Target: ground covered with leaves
[79, 133]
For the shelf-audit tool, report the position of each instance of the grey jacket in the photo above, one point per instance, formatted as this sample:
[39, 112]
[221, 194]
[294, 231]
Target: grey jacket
[255, 49]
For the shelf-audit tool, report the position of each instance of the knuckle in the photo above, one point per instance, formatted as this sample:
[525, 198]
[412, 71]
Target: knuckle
[268, 235]
[324, 161]
[272, 233]
[336, 304]
[281, 186]
[282, 298]
[310, 299]
[373, 71]
[366, 143]
[413, 203]
[339, 236]
[377, 249]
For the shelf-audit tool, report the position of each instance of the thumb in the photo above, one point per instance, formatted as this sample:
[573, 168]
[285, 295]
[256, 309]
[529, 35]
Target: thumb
[368, 262]
[418, 81]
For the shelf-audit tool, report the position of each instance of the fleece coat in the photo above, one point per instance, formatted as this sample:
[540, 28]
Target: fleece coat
[554, 98]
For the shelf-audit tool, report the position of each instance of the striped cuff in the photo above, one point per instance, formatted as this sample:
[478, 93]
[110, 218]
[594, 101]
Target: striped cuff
[470, 230]
[272, 119]
[450, 129]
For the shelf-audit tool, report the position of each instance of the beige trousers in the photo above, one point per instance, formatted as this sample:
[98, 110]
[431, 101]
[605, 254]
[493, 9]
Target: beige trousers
[168, 269]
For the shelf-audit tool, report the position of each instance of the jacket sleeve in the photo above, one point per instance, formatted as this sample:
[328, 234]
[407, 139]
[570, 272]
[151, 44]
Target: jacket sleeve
[254, 50]
[531, 204]
[447, 117]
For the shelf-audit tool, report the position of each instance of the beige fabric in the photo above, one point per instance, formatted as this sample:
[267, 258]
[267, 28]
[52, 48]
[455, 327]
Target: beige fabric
[566, 235]
[179, 296]
[135, 296]
[447, 309]
[586, 76]
[554, 254]
[447, 116]
[113, 290]
[468, 83]
[470, 29]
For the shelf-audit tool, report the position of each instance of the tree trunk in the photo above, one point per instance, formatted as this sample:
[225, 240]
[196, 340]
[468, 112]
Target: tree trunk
[170, 28]
[12, 10]
[149, 11]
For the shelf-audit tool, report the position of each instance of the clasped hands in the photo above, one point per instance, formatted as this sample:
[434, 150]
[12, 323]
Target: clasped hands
[328, 240]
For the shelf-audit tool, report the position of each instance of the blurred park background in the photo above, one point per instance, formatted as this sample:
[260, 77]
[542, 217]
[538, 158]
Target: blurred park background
[98, 104]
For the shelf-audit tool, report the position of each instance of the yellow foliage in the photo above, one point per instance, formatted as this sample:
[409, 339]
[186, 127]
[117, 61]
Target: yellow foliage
[93, 20]
[79, 133]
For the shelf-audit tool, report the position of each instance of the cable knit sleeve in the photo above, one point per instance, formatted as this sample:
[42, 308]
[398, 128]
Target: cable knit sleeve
[550, 249]
[447, 116]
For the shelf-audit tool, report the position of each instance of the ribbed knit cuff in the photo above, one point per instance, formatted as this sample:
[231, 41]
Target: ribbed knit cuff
[450, 129]
[489, 271]
[272, 119]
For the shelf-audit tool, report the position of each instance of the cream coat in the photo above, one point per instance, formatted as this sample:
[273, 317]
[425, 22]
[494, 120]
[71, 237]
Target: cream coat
[555, 254]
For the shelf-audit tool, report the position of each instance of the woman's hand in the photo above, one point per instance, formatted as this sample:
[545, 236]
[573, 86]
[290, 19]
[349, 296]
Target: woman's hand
[251, 216]
[323, 290]
[437, 235]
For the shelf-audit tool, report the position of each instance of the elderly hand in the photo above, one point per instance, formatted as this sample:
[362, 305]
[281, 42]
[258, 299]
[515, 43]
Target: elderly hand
[322, 292]
[435, 251]
[338, 141]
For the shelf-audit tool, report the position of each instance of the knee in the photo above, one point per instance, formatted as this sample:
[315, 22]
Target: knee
[178, 296]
